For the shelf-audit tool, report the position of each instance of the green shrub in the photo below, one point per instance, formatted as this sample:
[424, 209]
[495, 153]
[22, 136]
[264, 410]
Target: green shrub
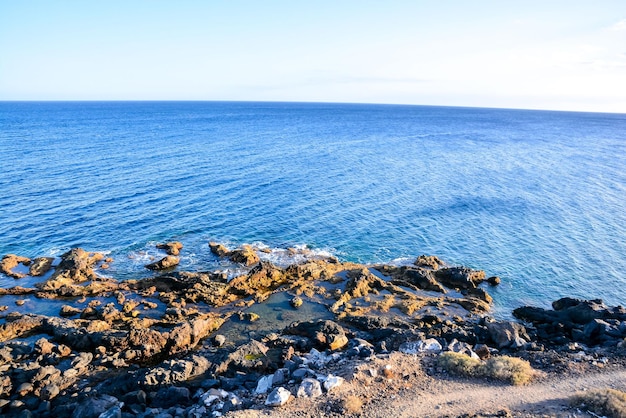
[608, 402]
[458, 363]
[512, 369]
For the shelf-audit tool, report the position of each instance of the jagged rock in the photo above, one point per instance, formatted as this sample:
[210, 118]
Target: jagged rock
[164, 263]
[245, 255]
[175, 371]
[43, 346]
[263, 278]
[246, 357]
[49, 392]
[77, 266]
[417, 276]
[460, 277]
[428, 261]
[278, 397]
[507, 334]
[40, 266]
[218, 249]
[171, 248]
[325, 333]
[309, 388]
[10, 261]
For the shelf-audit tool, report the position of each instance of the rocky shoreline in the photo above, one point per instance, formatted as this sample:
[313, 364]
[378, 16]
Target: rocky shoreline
[205, 344]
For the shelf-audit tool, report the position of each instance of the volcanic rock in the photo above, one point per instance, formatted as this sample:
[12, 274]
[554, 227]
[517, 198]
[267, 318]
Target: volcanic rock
[171, 248]
[164, 263]
[40, 266]
[9, 262]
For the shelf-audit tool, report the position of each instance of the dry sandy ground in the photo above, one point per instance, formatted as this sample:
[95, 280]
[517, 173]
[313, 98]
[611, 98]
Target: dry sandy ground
[410, 392]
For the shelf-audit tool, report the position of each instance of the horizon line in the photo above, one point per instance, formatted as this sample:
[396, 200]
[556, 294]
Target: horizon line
[296, 102]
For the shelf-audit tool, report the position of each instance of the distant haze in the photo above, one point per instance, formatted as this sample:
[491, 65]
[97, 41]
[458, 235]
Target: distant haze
[564, 55]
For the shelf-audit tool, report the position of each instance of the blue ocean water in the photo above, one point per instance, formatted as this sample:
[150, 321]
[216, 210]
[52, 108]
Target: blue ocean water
[535, 197]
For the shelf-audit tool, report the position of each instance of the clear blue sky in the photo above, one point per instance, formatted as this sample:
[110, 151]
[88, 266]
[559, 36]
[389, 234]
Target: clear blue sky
[523, 54]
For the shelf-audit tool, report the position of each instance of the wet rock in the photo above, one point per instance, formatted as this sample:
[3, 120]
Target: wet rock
[9, 262]
[460, 277]
[113, 412]
[507, 334]
[245, 255]
[278, 397]
[325, 333]
[40, 266]
[77, 266]
[167, 262]
[171, 248]
[309, 388]
[218, 249]
[493, 280]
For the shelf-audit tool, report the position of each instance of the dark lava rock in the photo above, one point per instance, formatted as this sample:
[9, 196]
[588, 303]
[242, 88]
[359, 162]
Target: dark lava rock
[40, 266]
[429, 261]
[171, 396]
[171, 248]
[460, 277]
[93, 407]
[164, 263]
[327, 334]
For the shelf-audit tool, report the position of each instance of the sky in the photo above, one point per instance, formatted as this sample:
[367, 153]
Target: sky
[561, 55]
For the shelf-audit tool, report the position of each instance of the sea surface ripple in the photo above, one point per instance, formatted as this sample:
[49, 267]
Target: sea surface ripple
[535, 197]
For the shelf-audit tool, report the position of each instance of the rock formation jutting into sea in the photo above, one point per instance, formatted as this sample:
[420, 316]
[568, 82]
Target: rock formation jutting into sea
[194, 344]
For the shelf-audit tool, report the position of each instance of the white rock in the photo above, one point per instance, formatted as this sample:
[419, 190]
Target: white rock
[309, 388]
[413, 347]
[264, 384]
[278, 397]
[333, 381]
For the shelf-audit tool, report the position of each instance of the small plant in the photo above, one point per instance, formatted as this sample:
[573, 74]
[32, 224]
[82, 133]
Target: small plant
[458, 363]
[513, 369]
[352, 405]
[608, 402]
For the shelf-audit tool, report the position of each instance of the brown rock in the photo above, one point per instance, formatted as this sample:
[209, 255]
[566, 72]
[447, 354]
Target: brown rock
[67, 310]
[428, 261]
[10, 261]
[76, 266]
[245, 255]
[164, 263]
[171, 248]
[218, 249]
[40, 266]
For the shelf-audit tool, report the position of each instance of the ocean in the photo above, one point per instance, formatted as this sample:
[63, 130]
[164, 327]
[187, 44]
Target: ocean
[535, 197]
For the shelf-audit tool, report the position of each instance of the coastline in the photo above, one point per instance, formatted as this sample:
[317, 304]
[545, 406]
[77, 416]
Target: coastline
[273, 341]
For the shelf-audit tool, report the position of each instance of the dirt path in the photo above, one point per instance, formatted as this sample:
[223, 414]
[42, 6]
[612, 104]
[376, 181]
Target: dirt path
[454, 398]
[421, 395]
